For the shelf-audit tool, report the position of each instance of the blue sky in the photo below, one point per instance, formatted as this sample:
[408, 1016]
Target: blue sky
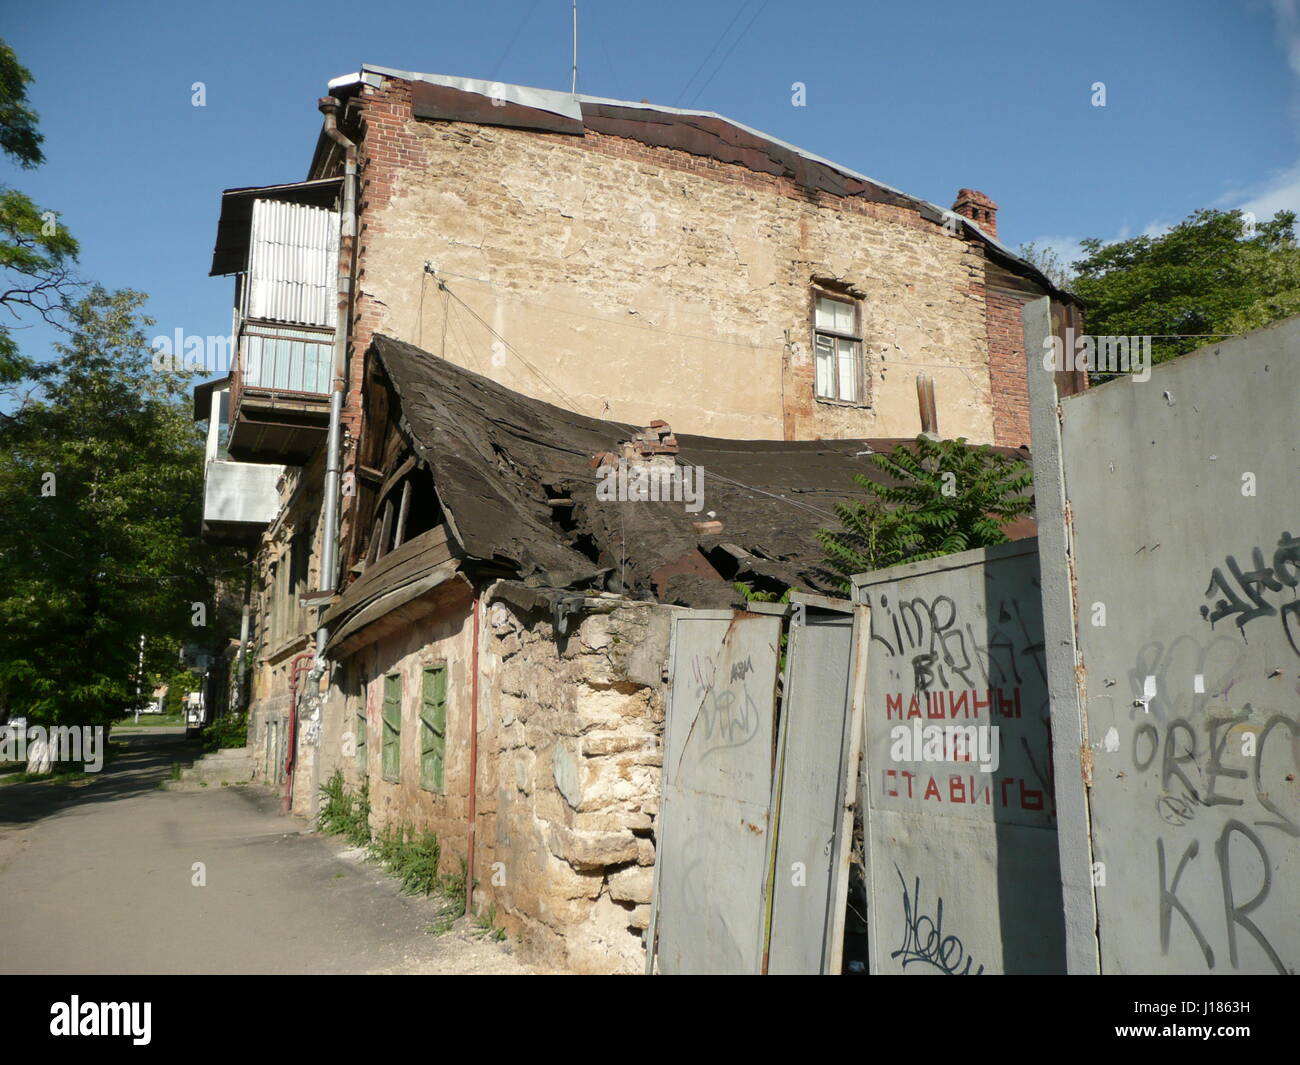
[1202, 107]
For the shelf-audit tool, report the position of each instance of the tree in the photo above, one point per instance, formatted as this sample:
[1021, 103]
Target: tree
[1215, 274]
[1049, 264]
[946, 496]
[100, 484]
[36, 252]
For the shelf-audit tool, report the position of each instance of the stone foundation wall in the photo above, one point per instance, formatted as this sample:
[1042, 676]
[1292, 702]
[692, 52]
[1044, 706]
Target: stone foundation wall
[570, 752]
[569, 756]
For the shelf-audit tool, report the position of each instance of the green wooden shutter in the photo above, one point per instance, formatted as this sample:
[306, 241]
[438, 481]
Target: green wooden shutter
[433, 727]
[392, 739]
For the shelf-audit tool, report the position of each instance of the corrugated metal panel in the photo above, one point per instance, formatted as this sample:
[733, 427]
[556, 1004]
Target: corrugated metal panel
[293, 263]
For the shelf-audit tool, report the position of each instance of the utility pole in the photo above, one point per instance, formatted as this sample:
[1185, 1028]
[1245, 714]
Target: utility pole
[574, 89]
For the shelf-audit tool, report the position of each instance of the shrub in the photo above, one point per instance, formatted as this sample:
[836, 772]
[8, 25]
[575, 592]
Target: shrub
[228, 731]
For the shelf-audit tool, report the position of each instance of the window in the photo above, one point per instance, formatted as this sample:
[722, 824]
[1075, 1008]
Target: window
[287, 359]
[837, 345]
[391, 744]
[290, 578]
[433, 727]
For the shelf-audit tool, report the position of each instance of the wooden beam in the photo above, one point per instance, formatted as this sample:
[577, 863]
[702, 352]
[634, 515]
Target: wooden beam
[401, 514]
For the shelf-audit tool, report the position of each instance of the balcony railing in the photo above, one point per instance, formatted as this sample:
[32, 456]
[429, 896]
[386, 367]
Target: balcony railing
[283, 359]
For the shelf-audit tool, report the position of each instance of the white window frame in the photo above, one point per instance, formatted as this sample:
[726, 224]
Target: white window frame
[836, 338]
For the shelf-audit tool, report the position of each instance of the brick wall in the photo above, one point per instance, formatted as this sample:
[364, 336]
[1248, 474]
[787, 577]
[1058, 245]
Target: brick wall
[1009, 385]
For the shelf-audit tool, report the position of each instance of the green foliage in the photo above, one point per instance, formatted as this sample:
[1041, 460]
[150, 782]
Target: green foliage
[452, 887]
[1049, 262]
[487, 924]
[230, 730]
[943, 496]
[19, 137]
[752, 594]
[36, 252]
[1207, 275]
[344, 814]
[101, 489]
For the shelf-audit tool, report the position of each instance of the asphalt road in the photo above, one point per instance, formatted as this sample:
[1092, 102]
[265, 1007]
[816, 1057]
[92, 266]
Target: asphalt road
[98, 877]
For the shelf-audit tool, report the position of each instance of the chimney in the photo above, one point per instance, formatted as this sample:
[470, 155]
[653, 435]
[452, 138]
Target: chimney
[979, 209]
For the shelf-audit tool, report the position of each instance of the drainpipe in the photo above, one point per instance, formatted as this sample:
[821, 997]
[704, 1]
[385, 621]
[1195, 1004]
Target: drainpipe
[473, 762]
[929, 412]
[329, 106]
[291, 754]
[241, 696]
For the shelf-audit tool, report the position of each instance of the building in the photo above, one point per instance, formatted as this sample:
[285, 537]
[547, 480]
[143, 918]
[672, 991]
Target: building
[481, 295]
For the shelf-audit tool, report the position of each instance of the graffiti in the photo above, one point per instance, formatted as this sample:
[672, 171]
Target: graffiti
[1235, 912]
[967, 704]
[1215, 877]
[728, 715]
[1254, 584]
[1006, 792]
[923, 938]
[944, 651]
[990, 669]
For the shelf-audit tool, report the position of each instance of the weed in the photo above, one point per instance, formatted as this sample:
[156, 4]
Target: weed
[487, 924]
[345, 814]
[410, 856]
[443, 925]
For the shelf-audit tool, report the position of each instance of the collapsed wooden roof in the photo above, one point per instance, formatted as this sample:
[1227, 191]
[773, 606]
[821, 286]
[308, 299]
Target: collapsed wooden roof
[516, 485]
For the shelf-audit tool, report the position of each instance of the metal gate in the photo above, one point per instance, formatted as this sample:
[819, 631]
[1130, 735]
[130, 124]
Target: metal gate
[820, 733]
[717, 786]
[957, 797]
[754, 827]
[1170, 573]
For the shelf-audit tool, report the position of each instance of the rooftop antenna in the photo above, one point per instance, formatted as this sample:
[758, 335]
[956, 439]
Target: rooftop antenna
[574, 88]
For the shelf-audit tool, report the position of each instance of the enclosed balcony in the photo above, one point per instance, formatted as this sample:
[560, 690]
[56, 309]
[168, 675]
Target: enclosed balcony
[281, 243]
[239, 498]
[280, 393]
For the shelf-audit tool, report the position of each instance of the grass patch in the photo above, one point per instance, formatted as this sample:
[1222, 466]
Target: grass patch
[410, 855]
[150, 721]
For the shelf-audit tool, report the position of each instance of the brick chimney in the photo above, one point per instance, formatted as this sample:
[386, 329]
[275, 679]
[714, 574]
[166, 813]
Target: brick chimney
[979, 209]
